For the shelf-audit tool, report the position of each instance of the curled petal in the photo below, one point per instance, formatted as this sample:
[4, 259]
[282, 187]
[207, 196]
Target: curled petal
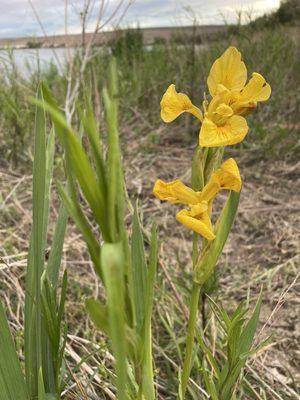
[229, 176]
[175, 192]
[232, 131]
[201, 225]
[228, 70]
[174, 104]
[257, 89]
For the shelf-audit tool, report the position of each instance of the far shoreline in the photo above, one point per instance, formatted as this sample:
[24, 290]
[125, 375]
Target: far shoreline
[101, 38]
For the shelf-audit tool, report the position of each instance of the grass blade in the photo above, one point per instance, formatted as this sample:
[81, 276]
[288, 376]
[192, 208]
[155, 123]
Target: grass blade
[139, 271]
[98, 313]
[80, 220]
[113, 151]
[41, 387]
[80, 166]
[54, 261]
[147, 366]
[113, 270]
[12, 383]
[91, 129]
[33, 320]
[248, 332]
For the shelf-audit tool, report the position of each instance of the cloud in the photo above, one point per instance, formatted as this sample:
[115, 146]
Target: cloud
[17, 17]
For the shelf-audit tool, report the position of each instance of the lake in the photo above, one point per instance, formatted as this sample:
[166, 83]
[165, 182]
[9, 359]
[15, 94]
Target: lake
[30, 60]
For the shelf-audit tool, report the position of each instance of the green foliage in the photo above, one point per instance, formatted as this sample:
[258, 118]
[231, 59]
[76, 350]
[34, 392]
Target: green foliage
[34, 44]
[43, 317]
[139, 272]
[128, 44]
[112, 260]
[33, 315]
[16, 113]
[44, 341]
[288, 13]
[12, 382]
[222, 371]
[53, 319]
[128, 279]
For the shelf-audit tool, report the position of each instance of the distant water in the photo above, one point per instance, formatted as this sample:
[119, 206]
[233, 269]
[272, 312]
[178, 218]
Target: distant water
[29, 61]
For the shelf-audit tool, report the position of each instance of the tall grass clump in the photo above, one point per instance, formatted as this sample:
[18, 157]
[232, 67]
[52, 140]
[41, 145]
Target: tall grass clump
[18, 114]
[126, 271]
[44, 332]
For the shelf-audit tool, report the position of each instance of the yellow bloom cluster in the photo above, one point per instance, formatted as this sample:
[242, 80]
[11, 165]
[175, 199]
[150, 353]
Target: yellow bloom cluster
[223, 123]
[197, 216]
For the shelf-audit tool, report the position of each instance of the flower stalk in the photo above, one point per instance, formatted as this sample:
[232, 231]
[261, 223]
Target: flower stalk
[190, 337]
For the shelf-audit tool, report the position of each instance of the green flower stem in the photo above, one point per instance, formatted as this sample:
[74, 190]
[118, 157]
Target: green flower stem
[196, 289]
[198, 183]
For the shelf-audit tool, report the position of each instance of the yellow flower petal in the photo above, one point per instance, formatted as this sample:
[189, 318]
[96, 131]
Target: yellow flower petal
[228, 70]
[202, 226]
[231, 132]
[198, 209]
[175, 192]
[210, 190]
[223, 110]
[229, 176]
[174, 104]
[257, 89]
[219, 109]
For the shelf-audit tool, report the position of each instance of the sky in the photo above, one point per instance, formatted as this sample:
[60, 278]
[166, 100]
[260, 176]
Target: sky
[19, 17]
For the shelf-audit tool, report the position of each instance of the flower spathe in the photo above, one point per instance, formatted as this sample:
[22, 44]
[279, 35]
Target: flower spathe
[223, 122]
[197, 216]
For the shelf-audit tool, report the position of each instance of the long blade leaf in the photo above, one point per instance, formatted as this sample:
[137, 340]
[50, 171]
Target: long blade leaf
[33, 318]
[113, 270]
[12, 383]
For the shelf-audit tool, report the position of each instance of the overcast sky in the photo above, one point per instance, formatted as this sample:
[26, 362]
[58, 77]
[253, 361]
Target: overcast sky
[17, 17]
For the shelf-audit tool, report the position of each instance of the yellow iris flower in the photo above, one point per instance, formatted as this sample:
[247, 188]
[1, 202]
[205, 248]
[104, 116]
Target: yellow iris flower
[197, 216]
[232, 98]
